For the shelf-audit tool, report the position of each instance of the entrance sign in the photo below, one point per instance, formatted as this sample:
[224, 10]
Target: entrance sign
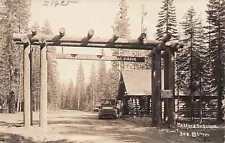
[100, 57]
[166, 94]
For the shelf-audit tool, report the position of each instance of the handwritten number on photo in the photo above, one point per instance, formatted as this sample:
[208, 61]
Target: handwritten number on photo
[56, 3]
[52, 3]
[63, 3]
[46, 3]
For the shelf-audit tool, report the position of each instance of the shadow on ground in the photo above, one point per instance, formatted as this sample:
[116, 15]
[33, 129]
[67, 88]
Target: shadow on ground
[90, 125]
[6, 124]
[13, 138]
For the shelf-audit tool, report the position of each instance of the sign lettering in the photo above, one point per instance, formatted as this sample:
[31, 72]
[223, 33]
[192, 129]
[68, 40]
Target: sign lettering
[131, 59]
[100, 57]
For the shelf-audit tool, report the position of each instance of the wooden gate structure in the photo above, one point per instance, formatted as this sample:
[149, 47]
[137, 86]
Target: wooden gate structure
[159, 49]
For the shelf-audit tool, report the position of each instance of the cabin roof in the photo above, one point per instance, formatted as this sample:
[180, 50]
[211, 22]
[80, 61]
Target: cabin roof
[137, 82]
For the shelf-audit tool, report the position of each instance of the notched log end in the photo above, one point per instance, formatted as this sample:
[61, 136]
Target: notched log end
[42, 40]
[62, 32]
[142, 36]
[33, 30]
[24, 39]
[177, 46]
[116, 35]
[166, 37]
[90, 33]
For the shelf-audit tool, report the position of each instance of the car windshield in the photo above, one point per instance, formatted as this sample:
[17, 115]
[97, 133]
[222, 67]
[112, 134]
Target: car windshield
[105, 102]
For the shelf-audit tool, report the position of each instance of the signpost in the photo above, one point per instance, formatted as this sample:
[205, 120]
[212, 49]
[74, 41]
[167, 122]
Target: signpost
[166, 94]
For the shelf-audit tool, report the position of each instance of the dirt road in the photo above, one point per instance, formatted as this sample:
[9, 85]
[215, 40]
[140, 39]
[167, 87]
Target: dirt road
[78, 127]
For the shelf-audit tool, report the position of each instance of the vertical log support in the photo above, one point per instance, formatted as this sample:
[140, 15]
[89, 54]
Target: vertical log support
[156, 95]
[154, 120]
[158, 87]
[166, 83]
[43, 95]
[26, 79]
[34, 32]
[171, 101]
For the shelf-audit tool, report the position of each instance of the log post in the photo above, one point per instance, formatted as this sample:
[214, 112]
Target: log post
[31, 94]
[26, 80]
[171, 101]
[153, 90]
[34, 32]
[166, 83]
[43, 92]
[156, 95]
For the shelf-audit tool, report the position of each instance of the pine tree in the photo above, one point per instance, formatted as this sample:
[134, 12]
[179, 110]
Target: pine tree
[52, 69]
[121, 21]
[110, 85]
[36, 72]
[102, 80]
[12, 20]
[216, 32]
[80, 86]
[69, 95]
[88, 101]
[93, 85]
[188, 52]
[62, 93]
[121, 26]
[167, 22]
[191, 60]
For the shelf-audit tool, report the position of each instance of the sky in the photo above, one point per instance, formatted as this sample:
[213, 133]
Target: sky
[81, 15]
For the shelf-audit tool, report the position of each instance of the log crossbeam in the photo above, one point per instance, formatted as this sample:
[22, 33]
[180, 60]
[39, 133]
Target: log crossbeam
[90, 41]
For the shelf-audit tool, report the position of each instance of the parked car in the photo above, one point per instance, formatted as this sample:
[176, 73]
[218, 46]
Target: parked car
[108, 109]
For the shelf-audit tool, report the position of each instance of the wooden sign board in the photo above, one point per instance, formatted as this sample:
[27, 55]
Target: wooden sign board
[166, 94]
[99, 57]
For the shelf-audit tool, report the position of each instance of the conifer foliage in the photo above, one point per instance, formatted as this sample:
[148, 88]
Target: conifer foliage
[14, 16]
[79, 88]
[216, 18]
[167, 22]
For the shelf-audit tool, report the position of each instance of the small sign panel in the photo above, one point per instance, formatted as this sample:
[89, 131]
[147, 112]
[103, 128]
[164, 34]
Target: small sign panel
[166, 94]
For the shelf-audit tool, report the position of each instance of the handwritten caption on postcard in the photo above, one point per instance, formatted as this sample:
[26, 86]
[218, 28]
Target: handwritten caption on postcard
[195, 126]
[56, 3]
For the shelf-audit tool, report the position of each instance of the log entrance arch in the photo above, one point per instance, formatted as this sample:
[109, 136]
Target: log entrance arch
[159, 49]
